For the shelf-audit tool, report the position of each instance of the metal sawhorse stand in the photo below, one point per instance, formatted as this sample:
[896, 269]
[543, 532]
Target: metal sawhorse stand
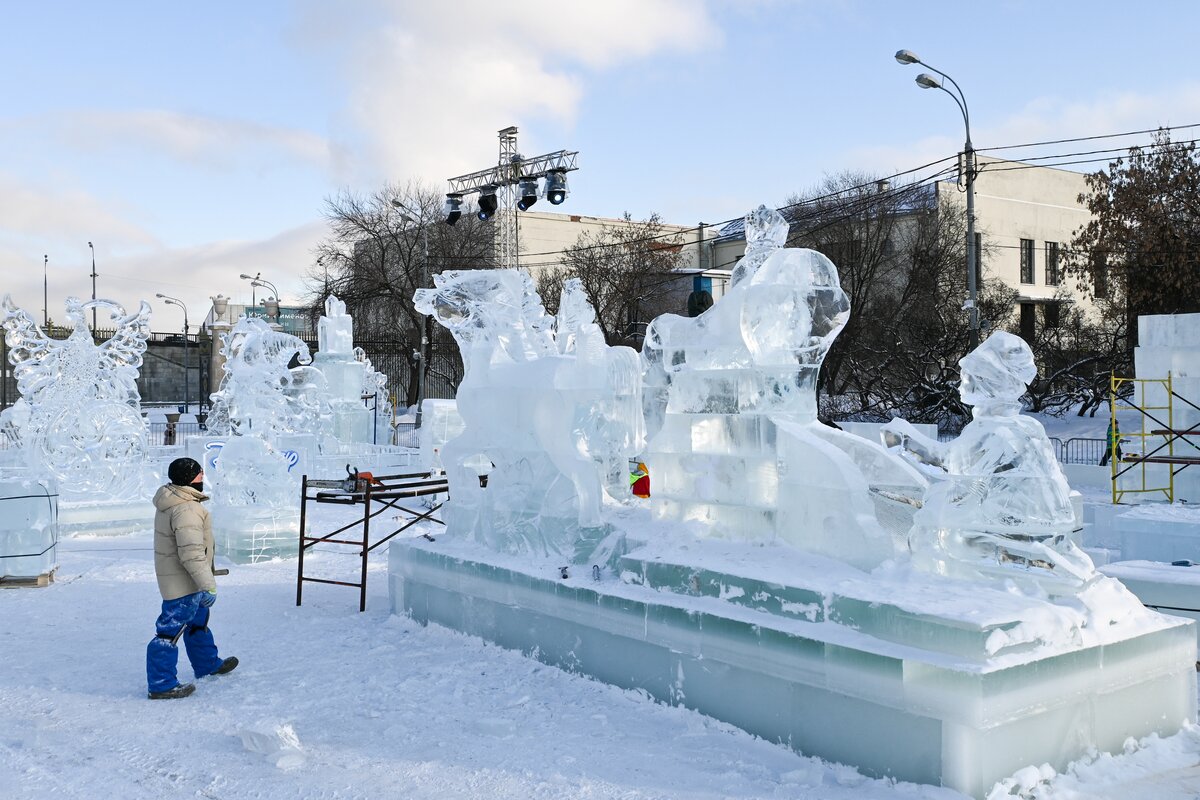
[376, 495]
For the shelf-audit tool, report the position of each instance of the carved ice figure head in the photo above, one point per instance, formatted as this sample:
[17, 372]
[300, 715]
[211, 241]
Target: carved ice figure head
[995, 374]
[576, 317]
[766, 231]
[495, 315]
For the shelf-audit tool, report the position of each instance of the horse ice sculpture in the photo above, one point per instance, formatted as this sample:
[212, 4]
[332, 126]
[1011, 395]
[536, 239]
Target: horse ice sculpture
[82, 425]
[731, 401]
[1004, 509]
[549, 411]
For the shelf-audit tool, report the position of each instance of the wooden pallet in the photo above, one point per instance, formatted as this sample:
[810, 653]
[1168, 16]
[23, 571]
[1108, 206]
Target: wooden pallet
[34, 581]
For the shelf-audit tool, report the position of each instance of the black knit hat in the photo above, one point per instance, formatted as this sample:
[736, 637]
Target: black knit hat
[183, 471]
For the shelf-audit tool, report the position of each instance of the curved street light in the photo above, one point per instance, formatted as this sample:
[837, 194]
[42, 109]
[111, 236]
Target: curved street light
[175, 301]
[927, 81]
[258, 280]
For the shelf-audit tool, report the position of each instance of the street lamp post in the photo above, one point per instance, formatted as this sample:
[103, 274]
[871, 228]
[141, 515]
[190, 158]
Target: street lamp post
[45, 291]
[427, 328]
[258, 280]
[927, 81]
[174, 301]
[93, 249]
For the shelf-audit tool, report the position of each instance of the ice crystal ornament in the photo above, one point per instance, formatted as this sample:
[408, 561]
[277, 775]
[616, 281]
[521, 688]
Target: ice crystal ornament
[83, 425]
[551, 413]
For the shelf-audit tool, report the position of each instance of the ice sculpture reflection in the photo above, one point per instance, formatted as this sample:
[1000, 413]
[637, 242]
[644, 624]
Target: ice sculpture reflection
[82, 424]
[1004, 508]
[731, 405]
[550, 412]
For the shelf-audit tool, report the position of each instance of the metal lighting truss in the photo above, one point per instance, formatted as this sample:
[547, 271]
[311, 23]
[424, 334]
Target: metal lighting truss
[508, 172]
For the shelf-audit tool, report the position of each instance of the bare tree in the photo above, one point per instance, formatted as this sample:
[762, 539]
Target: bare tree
[374, 259]
[626, 270]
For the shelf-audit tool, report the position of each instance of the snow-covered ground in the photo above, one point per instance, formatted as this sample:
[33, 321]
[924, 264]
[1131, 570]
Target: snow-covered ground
[330, 703]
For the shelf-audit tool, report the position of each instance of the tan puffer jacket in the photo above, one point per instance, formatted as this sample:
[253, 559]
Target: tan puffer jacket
[183, 542]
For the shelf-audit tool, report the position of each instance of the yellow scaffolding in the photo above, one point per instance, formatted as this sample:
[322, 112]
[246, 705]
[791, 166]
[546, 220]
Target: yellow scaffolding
[1154, 436]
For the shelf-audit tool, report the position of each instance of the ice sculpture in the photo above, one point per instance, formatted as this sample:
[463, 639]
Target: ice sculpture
[264, 415]
[345, 374]
[83, 427]
[260, 392]
[550, 412]
[1004, 509]
[731, 403]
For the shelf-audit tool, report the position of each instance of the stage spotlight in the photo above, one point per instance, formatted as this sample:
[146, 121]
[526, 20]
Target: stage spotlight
[487, 202]
[527, 192]
[453, 208]
[556, 186]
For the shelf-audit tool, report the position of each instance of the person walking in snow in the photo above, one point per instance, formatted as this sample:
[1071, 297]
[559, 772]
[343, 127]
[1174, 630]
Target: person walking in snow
[1114, 442]
[183, 563]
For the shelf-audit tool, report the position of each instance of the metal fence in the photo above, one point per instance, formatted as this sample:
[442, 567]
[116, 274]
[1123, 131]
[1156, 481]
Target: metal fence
[171, 433]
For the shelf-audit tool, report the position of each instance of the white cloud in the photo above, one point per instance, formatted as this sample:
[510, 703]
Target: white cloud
[208, 142]
[433, 84]
[62, 215]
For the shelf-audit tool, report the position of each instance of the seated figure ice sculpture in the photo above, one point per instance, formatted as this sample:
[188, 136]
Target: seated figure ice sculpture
[550, 413]
[731, 404]
[81, 424]
[1004, 508]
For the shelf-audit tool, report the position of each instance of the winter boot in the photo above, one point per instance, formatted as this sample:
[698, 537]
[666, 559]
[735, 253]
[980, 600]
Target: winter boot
[182, 690]
[227, 666]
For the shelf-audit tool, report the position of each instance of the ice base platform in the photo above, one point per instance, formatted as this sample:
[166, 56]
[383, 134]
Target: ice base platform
[902, 676]
[104, 517]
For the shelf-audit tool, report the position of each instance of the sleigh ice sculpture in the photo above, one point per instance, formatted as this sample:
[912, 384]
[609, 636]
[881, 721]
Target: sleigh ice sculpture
[805, 585]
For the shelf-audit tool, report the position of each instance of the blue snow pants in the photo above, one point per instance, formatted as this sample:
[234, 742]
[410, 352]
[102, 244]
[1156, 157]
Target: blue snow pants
[183, 617]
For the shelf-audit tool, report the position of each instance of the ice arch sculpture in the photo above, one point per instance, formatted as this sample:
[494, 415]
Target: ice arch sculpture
[550, 413]
[1004, 509]
[731, 407]
[82, 425]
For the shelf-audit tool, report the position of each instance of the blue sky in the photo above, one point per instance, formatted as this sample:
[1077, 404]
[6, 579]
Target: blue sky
[193, 142]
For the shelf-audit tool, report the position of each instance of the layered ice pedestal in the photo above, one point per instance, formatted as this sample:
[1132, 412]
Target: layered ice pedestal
[900, 674]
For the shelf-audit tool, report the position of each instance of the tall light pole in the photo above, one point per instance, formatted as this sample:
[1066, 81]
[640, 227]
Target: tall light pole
[427, 328]
[174, 301]
[45, 291]
[93, 249]
[927, 81]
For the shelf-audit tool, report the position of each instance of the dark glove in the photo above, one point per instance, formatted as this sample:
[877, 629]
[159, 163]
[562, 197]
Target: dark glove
[208, 598]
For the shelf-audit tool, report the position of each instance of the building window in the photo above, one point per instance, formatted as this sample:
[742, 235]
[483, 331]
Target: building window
[1100, 275]
[1052, 276]
[1028, 321]
[1027, 261]
[1051, 312]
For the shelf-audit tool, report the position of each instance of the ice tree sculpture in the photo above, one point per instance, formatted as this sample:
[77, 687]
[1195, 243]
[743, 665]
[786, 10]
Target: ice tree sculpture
[548, 409]
[83, 425]
[1004, 508]
[731, 406]
[260, 392]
